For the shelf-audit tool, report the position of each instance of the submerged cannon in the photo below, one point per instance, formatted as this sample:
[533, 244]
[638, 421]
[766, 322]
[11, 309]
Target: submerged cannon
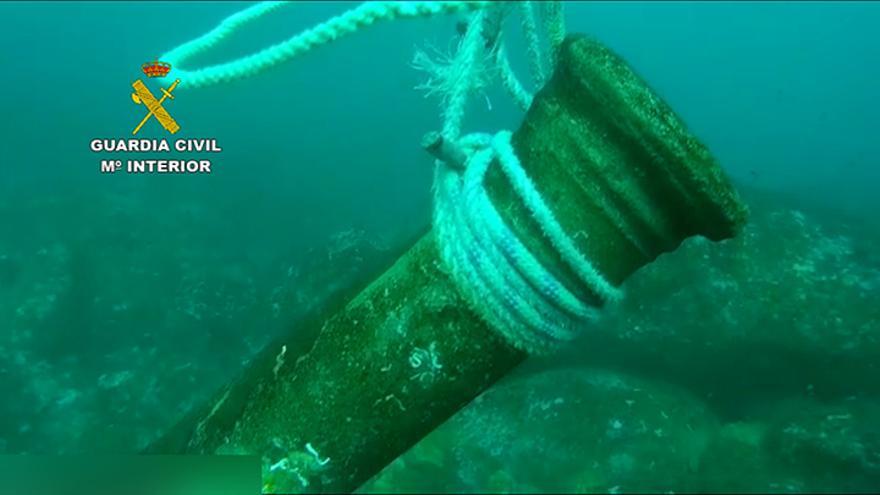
[599, 179]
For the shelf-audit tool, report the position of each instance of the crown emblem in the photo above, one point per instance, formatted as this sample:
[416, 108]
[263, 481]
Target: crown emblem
[156, 68]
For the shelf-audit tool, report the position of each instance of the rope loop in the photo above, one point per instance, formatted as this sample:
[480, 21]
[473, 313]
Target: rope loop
[500, 278]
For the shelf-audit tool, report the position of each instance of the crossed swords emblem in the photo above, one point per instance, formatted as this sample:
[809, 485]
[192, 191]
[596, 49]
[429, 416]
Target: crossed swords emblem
[142, 95]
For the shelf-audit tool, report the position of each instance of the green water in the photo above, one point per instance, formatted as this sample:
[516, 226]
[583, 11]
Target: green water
[744, 366]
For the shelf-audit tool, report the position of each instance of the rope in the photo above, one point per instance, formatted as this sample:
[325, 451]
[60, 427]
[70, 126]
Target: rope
[500, 278]
[554, 24]
[344, 24]
[533, 45]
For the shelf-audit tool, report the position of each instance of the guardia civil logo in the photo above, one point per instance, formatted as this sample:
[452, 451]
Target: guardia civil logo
[155, 110]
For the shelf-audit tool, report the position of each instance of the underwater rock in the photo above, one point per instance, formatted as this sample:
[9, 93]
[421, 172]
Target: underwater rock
[797, 446]
[598, 431]
[836, 445]
[788, 308]
[737, 460]
[586, 431]
[36, 297]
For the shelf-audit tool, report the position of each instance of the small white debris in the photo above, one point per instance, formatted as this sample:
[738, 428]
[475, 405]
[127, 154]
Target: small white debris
[282, 464]
[314, 452]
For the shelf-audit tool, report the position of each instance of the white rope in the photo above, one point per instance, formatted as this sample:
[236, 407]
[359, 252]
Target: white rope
[533, 44]
[353, 20]
[499, 277]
